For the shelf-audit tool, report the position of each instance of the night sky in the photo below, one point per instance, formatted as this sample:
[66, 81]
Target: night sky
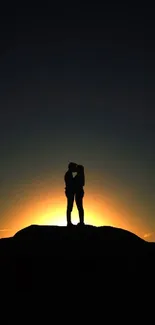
[77, 84]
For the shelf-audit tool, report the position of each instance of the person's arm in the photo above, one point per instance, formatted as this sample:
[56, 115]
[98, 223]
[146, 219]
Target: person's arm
[66, 178]
[83, 180]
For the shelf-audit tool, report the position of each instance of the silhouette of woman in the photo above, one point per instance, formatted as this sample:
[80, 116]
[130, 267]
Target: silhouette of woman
[79, 182]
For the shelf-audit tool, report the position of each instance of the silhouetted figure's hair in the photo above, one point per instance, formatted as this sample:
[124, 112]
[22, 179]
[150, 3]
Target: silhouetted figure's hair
[72, 167]
[80, 175]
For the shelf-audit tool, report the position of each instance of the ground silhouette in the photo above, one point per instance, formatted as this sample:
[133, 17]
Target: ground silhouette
[38, 255]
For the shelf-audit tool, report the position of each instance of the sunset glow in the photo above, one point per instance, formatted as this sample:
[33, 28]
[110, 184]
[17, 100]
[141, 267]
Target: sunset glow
[72, 90]
[46, 207]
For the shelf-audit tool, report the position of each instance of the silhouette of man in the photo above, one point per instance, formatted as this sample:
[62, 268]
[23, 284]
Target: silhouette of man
[70, 190]
[74, 189]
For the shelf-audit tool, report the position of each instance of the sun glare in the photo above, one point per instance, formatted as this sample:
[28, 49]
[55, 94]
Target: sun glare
[56, 215]
[50, 209]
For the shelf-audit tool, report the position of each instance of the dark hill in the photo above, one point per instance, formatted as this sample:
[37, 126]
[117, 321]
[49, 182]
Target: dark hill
[37, 254]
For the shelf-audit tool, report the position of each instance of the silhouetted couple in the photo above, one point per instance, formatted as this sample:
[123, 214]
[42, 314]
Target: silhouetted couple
[74, 190]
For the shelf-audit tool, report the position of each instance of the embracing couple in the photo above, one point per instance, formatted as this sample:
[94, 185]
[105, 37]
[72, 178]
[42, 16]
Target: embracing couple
[74, 190]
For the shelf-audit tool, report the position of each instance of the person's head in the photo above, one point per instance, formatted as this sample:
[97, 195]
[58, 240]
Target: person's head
[72, 167]
[80, 169]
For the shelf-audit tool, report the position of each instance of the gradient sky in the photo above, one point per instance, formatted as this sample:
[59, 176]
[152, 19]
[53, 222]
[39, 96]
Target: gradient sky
[77, 84]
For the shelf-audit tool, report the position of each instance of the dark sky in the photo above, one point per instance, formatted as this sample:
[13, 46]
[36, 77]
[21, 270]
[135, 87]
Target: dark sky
[77, 83]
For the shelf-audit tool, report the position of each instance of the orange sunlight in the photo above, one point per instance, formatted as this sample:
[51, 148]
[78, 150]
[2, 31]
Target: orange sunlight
[47, 207]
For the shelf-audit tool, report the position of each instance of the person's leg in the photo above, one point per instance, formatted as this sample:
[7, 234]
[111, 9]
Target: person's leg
[79, 203]
[70, 202]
